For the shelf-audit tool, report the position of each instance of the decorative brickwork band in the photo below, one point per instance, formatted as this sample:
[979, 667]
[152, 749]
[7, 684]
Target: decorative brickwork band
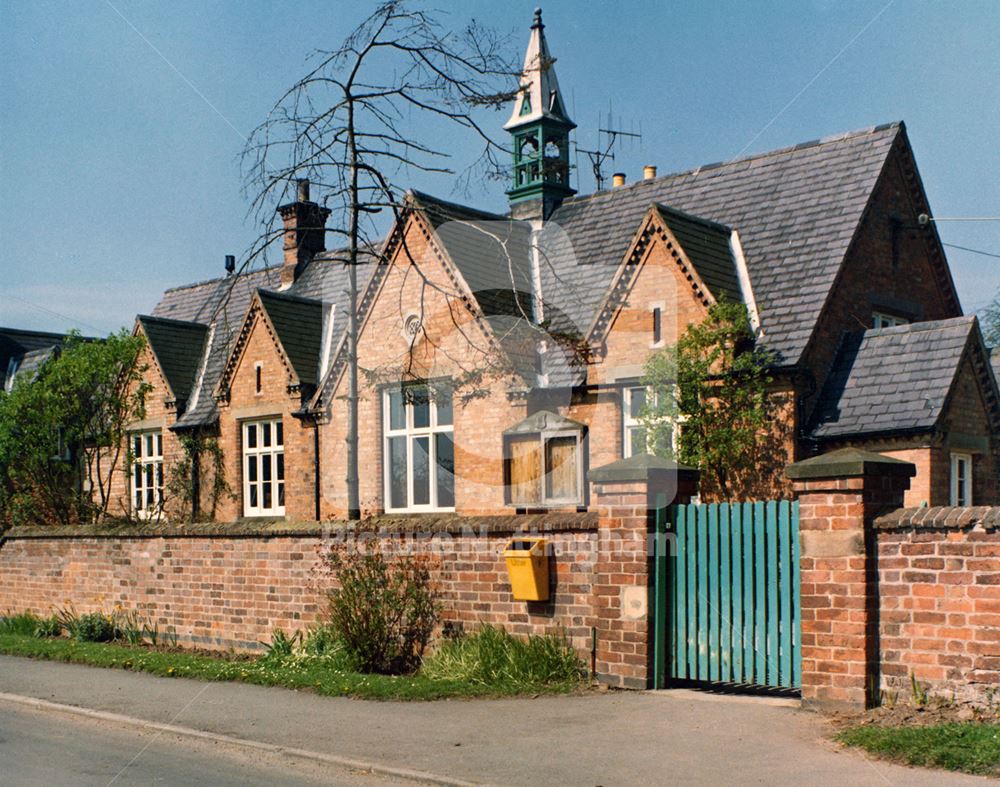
[626, 495]
[840, 494]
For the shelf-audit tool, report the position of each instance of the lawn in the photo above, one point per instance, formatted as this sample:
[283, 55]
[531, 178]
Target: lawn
[319, 674]
[972, 747]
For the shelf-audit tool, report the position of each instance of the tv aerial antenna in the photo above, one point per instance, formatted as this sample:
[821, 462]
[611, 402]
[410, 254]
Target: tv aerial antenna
[607, 138]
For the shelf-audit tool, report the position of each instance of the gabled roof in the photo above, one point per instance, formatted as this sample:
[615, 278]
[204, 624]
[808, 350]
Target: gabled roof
[178, 346]
[706, 244]
[796, 210]
[24, 352]
[893, 379]
[298, 323]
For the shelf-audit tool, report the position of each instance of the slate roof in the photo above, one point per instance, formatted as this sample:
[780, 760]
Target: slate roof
[707, 247]
[892, 379]
[796, 210]
[221, 304]
[24, 352]
[299, 325]
[178, 346]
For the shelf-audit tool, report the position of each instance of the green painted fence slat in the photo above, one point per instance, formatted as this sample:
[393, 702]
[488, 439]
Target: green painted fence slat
[725, 587]
[680, 593]
[749, 655]
[691, 545]
[712, 591]
[785, 579]
[736, 526]
[796, 600]
[702, 592]
[760, 596]
[773, 622]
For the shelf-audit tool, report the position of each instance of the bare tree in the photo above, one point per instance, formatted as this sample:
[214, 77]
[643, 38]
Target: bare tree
[345, 126]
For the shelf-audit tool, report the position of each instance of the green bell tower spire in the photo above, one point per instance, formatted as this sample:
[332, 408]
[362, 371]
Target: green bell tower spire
[540, 129]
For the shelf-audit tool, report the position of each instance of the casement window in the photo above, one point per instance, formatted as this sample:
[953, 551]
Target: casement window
[418, 448]
[883, 320]
[635, 438]
[544, 462]
[961, 479]
[147, 472]
[264, 468]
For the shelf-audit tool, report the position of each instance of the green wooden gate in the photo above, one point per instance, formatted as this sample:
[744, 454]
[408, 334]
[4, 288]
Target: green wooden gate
[726, 595]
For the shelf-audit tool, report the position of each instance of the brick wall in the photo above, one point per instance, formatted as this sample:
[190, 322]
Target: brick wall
[223, 587]
[939, 600]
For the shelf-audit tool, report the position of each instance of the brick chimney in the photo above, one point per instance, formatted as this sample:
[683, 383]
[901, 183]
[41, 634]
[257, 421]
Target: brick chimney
[305, 233]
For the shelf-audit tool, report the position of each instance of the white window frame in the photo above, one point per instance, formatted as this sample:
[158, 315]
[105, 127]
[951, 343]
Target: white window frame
[253, 465]
[412, 433]
[961, 497]
[544, 501]
[883, 320]
[146, 472]
[629, 423]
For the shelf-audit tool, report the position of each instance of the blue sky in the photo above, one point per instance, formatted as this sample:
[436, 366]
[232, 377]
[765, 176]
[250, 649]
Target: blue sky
[119, 172]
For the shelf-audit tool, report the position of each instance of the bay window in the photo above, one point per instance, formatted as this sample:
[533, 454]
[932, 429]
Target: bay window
[418, 448]
[264, 468]
[544, 462]
[147, 472]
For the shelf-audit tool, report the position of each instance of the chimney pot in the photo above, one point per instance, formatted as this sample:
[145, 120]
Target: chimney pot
[303, 190]
[230, 263]
[618, 179]
[648, 172]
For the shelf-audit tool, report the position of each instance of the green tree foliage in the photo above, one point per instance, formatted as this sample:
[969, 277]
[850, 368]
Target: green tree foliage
[62, 432]
[714, 383]
[990, 322]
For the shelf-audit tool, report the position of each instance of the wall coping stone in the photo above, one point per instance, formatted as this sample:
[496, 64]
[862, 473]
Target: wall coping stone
[848, 462]
[940, 518]
[446, 523]
[640, 467]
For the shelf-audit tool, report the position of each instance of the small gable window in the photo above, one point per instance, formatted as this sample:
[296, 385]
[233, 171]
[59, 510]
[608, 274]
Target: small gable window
[961, 479]
[544, 462]
[258, 371]
[147, 472]
[419, 448]
[883, 320]
[657, 325]
[264, 468]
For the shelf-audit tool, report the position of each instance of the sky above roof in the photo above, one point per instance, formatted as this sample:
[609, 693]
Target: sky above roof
[123, 120]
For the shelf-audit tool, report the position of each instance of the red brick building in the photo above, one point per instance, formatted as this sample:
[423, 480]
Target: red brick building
[501, 355]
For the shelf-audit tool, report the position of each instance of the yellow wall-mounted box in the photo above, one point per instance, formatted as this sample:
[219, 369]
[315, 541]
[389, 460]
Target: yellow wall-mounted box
[528, 568]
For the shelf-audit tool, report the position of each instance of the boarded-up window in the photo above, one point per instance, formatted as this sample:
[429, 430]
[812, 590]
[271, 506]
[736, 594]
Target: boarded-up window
[525, 470]
[561, 468]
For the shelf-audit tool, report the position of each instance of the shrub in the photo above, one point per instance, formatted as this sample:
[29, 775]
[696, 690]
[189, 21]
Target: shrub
[21, 623]
[493, 657]
[94, 627]
[383, 610]
[321, 641]
[48, 627]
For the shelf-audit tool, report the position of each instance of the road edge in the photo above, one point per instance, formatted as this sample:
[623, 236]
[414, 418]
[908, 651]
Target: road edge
[423, 777]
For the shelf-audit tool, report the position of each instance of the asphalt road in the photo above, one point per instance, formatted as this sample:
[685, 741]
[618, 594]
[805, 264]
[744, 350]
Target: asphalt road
[45, 748]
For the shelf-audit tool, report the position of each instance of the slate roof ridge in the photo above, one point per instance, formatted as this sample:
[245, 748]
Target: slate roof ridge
[171, 321]
[712, 225]
[921, 326]
[59, 337]
[288, 296]
[695, 171]
[219, 279]
[422, 196]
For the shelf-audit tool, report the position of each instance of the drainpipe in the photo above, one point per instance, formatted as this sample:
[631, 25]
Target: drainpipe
[316, 466]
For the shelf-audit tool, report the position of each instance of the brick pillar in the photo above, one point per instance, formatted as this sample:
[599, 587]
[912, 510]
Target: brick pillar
[626, 494]
[839, 495]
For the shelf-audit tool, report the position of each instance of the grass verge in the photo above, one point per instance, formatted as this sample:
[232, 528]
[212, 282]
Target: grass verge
[972, 747]
[319, 674]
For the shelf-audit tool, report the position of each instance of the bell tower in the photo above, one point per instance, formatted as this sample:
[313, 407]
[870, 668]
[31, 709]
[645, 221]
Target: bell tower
[540, 129]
